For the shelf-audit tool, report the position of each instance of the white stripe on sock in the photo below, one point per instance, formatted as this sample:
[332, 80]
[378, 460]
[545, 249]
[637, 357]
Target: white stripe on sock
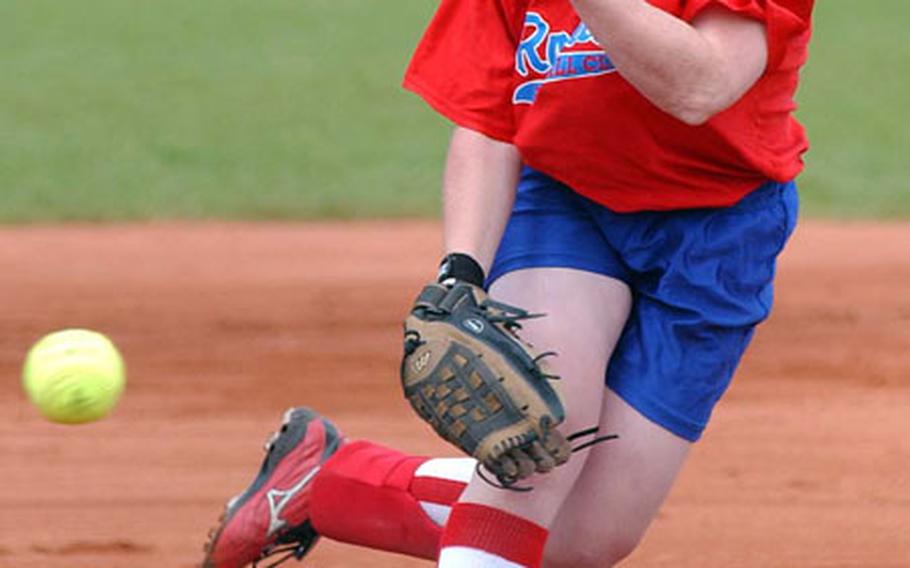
[453, 469]
[439, 514]
[464, 557]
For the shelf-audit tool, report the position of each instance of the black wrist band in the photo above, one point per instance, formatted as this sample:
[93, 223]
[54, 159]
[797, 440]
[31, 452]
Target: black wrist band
[461, 267]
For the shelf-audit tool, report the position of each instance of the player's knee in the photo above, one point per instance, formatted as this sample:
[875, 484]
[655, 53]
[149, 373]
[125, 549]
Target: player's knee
[599, 551]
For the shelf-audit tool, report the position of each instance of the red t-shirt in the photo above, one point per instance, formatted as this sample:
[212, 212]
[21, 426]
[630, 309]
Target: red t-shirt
[530, 73]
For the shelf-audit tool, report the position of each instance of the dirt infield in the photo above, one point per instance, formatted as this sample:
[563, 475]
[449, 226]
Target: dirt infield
[223, 326]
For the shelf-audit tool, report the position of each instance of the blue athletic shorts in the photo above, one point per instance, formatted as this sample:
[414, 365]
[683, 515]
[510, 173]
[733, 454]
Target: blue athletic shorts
[701, 280]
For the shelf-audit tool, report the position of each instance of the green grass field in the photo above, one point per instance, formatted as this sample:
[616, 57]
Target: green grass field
[276, 109]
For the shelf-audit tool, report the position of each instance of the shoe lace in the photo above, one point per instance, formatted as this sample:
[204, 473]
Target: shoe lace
[498, 483]
[292, 550]
[293, 544]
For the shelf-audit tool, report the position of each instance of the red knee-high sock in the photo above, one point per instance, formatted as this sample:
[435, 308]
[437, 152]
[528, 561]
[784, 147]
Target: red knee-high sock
[481, 536]
[373, 496]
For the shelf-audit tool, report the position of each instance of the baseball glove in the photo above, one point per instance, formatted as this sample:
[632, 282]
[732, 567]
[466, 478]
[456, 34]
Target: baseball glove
[468, 374]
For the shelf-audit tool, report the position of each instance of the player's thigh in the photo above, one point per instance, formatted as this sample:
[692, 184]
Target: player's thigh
[619, 491]
[585, 315]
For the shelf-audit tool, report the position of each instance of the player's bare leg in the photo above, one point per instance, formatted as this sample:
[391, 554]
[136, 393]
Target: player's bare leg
[586, 313]
[585, 316]
[619, 491]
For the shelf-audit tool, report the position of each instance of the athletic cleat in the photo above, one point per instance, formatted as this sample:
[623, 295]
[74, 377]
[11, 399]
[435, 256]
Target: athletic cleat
[271, 518]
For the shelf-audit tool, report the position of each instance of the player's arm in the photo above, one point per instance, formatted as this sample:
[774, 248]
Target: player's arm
[454, 320]
[478, 191]
[691, 71]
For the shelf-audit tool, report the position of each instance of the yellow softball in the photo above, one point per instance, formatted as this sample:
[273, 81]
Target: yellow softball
[74, 376]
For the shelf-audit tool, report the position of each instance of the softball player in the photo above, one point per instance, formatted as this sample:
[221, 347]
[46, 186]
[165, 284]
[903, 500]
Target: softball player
[653, 148]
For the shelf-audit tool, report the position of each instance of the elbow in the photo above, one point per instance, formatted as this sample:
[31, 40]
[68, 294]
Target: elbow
[693, 117]
[696, 101]
[696, 109]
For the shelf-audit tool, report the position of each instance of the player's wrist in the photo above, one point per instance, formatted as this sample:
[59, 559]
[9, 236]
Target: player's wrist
[461, 267]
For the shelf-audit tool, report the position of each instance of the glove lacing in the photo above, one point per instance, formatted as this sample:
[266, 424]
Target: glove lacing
[510, 317]
[499, 484]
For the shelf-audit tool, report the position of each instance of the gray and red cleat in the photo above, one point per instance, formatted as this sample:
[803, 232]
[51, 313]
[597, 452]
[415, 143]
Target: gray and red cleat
[271, 518]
